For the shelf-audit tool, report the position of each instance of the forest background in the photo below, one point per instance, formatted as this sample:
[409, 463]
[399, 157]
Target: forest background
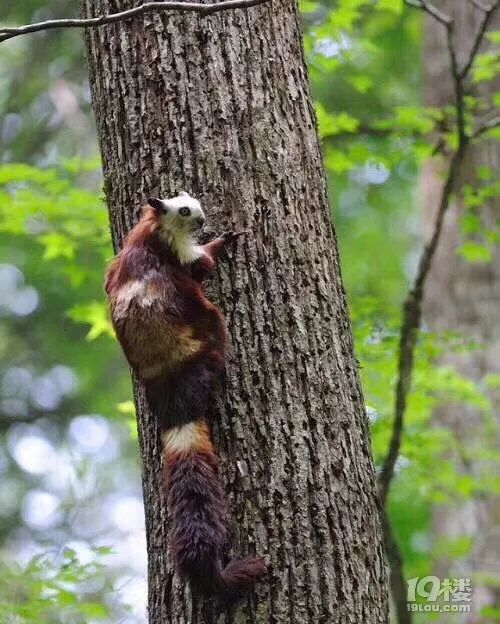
[72, 542]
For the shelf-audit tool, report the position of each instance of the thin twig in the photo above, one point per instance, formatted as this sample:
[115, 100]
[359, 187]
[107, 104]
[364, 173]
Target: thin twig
[429, 8]
[458, 85]
[448, 23]
[486, 126]
[412, 315]
[488, 13]
[412, 309]
[148, 7]
[479, 5]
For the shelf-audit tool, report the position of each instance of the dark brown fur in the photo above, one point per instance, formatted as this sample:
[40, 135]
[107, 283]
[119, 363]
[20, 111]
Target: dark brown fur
[175, 339]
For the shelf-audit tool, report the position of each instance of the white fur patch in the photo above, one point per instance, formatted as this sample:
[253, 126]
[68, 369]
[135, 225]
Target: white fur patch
[182, 245]
[135, 290]
[181, 439]
[177, 229]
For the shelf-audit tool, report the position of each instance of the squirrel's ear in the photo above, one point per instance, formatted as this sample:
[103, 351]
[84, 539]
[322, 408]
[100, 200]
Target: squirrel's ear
[157, 204]
[184, 194]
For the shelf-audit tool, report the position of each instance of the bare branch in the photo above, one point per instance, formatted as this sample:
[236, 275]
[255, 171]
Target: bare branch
[448, 23]
[488, 13]
[412, 315]
[148, 7]
[459, 75]
[485, 126]
[457, 84]
[412, 309]
[479, 5]
[429, 8]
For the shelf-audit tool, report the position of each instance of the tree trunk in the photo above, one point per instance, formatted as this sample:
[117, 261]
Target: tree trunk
[220, 107]
[465, 298]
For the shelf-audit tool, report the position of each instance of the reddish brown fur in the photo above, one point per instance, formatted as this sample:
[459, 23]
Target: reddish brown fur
[180, 334]
[119, 270]
[175, 340]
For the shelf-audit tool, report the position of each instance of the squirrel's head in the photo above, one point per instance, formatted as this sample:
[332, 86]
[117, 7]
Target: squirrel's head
[179, 215]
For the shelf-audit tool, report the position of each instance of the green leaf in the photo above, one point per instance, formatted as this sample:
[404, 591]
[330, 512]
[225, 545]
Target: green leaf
[94, 610]
[454, 546]
[493, 36]
[308, 6]
[96, 315]
[57, 245]
[338, 161]
[484, 173]
[104, 550]
[332, 124]
[470, 224]
[475, 252]
[492, 381]
[361, 82]
[414, 119]
[395, 6]
[126, 407]
[487, 67]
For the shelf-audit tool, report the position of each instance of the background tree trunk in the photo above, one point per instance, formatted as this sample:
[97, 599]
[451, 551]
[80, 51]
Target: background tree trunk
[220, 107]
[465, 298]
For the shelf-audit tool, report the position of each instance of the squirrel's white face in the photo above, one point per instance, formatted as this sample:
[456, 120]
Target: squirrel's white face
[181, 215]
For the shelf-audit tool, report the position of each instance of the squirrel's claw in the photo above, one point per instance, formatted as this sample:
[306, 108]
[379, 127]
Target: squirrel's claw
[230, 236]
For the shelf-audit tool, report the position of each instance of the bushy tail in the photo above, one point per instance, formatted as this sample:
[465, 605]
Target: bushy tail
[198, 512]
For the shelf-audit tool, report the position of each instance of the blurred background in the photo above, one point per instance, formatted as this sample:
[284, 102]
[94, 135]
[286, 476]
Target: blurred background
[72, 543]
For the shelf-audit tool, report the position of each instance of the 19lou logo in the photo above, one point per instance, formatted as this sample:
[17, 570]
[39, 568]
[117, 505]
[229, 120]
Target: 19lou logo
[429, 593]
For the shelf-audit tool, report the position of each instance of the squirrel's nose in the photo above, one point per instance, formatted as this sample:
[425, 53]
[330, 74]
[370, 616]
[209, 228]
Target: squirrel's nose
[200, 221]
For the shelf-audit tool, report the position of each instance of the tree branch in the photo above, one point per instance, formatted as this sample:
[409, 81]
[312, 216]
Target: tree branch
[448, 23]
[412, 308]
[485, 126]
[488, 13]
[457, 84]
[479, 5]
[412, 315]
[148, 7]
[429, 8]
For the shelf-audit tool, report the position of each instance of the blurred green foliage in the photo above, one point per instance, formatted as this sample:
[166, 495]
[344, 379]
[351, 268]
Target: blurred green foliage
[50, 588]
[365, 71]
[54, 226]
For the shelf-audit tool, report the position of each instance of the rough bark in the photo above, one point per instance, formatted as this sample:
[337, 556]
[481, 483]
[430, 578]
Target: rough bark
[465, 298]
[220, 107]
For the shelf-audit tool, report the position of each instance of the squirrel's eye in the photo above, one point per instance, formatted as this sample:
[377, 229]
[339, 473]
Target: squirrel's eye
[184, 211]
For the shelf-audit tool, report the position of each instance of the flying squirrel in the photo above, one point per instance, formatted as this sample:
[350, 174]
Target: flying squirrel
[175, 340]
